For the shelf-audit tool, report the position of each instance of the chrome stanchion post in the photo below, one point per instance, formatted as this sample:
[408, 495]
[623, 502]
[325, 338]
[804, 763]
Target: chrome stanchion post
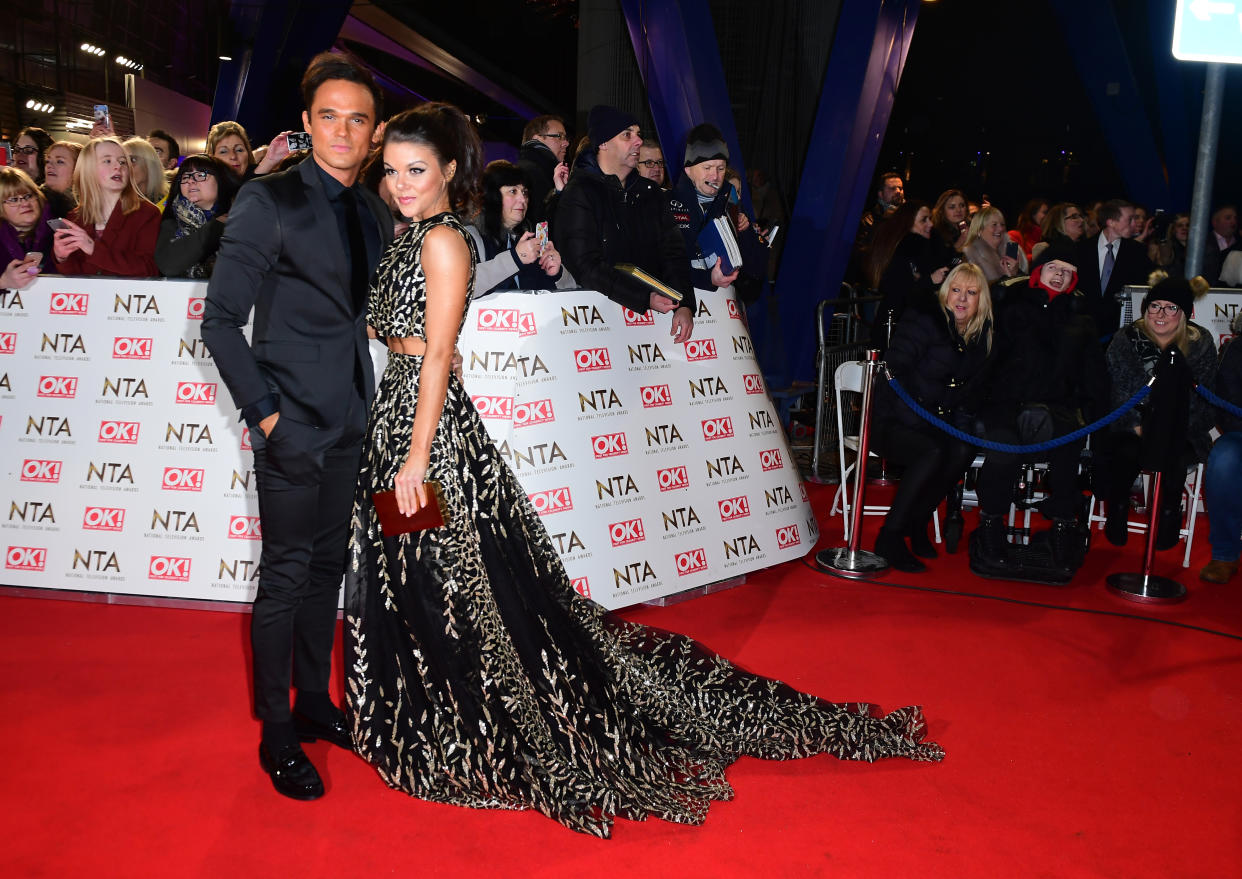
[890, 322]
[850, 561]
[1147, 587]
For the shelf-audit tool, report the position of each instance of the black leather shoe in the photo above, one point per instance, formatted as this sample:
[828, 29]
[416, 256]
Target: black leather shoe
[892, 548]
[292, 772]
[336, 732]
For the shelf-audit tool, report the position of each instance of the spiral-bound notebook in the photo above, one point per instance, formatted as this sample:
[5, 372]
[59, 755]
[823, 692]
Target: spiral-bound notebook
[393, 522]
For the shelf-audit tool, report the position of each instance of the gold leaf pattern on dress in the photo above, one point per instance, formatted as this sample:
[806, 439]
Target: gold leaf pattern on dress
[512, 691]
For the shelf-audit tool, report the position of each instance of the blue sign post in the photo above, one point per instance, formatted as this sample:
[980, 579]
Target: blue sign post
[1208, 30]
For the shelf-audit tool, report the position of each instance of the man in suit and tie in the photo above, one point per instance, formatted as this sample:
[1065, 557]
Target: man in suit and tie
[299, 249]
[1110, 261]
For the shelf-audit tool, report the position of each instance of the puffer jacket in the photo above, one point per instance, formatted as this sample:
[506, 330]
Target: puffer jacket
[601, 221]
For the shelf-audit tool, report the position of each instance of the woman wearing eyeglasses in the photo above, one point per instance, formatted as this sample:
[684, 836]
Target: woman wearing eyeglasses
[1063, 222]
[198, 203]
[113, 229]
[28, 152]
[1132, 358]
[25, 239]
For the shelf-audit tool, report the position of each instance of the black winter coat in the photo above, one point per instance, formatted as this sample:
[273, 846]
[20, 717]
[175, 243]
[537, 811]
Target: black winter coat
[1047, 353]
[1229, 385]
[538, 162]
[946, 375]
[906, 283]
[1127, 373]
[601, 222]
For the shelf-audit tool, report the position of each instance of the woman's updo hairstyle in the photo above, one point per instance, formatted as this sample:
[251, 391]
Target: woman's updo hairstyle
[447, 132]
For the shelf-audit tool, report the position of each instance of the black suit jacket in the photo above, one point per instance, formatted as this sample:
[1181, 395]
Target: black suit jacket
[1131, 267]
[282, 255]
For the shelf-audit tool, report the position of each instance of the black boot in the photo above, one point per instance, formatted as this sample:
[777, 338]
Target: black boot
[892, 546]
[920, 544]
[1066, 544]
[990, 544]
[1169, 529]
[1116, 526]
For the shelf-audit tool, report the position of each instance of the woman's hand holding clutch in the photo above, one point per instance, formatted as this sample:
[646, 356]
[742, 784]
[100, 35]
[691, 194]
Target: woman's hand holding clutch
[412, 494]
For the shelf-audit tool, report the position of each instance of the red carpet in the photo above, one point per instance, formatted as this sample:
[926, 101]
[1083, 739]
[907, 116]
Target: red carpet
[1100, 743]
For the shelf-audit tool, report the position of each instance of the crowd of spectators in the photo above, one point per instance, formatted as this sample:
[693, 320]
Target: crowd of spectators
[1046, 292]
[1015, 319]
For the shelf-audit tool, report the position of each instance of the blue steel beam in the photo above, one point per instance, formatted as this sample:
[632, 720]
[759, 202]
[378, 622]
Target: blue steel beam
[1099, 51]
[868, 53]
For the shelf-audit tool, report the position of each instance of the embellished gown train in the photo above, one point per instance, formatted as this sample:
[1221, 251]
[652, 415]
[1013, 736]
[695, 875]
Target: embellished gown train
[477, 676]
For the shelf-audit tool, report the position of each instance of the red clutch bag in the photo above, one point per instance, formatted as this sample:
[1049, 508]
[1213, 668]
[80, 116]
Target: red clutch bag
[393, 522]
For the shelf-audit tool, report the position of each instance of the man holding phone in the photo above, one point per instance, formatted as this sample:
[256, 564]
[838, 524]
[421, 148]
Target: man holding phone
[299, 250]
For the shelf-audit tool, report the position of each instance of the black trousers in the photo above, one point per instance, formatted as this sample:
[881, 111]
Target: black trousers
[933, 462]
[1118, 457]
[999, 474]
[306, 481]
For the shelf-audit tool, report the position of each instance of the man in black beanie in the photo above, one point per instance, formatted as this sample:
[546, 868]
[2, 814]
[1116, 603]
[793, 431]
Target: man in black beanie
[608, 216]
[700, 196]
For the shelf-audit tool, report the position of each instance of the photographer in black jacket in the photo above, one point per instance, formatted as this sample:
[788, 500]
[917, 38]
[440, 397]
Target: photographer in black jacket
[607, 215]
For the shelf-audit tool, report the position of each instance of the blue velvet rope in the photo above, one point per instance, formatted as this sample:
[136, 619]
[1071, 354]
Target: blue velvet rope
[1221, 402]
[1078, 434]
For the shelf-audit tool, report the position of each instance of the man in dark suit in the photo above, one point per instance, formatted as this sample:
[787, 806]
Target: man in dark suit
[299, 249]
[1109, 261]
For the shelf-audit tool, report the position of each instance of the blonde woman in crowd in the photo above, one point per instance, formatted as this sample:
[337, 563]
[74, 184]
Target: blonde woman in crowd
[113, 229]
[147, 171]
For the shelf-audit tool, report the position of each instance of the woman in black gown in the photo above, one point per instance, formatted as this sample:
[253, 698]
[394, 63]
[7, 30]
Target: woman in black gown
[475, 674]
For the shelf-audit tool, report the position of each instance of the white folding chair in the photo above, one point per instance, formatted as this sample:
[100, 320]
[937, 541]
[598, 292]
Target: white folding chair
[1192, 501]
[849, 378]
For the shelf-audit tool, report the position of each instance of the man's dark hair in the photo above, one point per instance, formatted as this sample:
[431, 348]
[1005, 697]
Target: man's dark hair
[539, 125]
[887, 175]
[1227, 206]
[328, 66]
[1111, 210]
[173, 147]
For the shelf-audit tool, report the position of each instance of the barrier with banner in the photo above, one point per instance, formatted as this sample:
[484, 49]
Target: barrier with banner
[657, 467]
[126, 470]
